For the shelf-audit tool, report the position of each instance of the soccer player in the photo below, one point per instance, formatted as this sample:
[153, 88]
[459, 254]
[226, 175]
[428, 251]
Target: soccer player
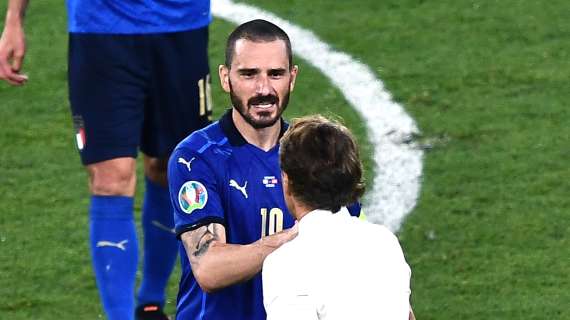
[225, 182]
[138, 77]
[338, 267]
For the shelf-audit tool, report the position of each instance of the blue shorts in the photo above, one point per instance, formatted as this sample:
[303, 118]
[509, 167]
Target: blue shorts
[137, 91]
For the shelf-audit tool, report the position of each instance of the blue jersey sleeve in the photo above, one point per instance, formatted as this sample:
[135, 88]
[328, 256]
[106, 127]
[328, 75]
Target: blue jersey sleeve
[194, 191]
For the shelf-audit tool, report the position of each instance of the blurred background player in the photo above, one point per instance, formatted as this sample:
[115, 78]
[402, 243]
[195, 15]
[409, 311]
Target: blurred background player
[314, 276]
[138, 77]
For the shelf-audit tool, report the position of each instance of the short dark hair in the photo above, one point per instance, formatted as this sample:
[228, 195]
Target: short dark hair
[321, 159]
[257, 31]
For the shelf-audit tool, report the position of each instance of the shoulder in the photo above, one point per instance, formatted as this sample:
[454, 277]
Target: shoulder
[204, 139]
[209, 144]
[385, 243]
[382, 233]
[375, 233]
[281, 254]
[281, 258]
[202, 156]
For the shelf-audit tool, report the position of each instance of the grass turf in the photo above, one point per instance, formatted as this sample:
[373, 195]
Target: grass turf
[485, 80]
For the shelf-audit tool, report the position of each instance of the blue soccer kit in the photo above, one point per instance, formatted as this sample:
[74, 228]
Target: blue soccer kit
[215, 176]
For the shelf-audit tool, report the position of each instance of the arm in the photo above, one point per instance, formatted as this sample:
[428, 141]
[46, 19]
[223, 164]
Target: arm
[217, 264]
[12, 43]
[412, 316]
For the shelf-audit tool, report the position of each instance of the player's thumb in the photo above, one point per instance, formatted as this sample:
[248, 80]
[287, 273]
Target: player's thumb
[18, 60]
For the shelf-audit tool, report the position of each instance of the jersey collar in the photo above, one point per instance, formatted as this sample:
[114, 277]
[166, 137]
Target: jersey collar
[317, 218]
[234, 137]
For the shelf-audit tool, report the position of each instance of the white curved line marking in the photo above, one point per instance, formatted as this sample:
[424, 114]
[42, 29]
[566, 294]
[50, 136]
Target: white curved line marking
[396, 186]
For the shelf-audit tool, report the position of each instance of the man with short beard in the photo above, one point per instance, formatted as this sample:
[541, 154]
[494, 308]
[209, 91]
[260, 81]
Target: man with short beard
[225, 183]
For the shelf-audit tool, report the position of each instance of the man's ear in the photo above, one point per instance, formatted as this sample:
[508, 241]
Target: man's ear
[285, 182]
[224, 73]
[294, 72]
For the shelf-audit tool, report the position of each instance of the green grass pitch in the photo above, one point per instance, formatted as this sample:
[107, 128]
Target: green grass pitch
[486, 81]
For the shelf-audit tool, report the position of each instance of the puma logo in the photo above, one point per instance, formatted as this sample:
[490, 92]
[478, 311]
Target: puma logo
[234, 184]
[120, 245]
[186, 163]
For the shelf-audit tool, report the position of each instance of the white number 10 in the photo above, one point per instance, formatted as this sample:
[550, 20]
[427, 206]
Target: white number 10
[275, 221]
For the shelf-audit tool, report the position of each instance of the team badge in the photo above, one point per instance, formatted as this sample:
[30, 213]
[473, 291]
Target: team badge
[269, 181]
[192, 195]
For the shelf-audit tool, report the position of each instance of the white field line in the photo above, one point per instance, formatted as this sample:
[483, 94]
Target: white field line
[395, 189]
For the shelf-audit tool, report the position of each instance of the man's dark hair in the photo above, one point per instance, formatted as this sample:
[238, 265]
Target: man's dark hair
[320, 158]
[257, 31]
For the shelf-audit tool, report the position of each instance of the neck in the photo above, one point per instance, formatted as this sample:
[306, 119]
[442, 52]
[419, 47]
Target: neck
[302, 214]
[299, 210]
[265, 138]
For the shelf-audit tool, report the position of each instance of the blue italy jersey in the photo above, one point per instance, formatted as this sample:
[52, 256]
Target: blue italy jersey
[216, 176]
[137, 16]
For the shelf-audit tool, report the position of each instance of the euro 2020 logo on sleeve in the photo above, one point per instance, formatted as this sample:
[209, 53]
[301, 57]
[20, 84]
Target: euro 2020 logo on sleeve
[192, 195]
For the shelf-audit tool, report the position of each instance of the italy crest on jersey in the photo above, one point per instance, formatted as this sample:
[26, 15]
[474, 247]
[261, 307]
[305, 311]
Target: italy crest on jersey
[192, 195]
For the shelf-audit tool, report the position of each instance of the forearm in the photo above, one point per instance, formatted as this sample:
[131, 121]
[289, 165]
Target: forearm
[217, 264]
[228, 264]
[16, 12]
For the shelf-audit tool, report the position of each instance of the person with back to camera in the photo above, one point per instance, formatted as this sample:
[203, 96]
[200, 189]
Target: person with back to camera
[338, 267]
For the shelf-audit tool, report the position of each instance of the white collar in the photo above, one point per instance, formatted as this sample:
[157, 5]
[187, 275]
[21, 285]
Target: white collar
[315, 217]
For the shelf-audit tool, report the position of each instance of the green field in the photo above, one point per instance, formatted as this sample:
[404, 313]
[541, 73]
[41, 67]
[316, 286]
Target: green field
[487, 81]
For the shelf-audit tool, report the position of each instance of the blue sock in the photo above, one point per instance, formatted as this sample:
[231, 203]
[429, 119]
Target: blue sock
[114, 250]
[160, 243]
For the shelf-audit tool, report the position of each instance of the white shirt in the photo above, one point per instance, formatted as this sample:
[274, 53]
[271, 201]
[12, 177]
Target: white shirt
[337, 268]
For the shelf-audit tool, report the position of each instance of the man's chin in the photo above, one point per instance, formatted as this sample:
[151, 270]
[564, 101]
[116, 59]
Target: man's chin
[259, 119]
[262, 123]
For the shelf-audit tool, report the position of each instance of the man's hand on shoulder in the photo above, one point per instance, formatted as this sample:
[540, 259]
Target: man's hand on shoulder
[217, 264]
[276, 240]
